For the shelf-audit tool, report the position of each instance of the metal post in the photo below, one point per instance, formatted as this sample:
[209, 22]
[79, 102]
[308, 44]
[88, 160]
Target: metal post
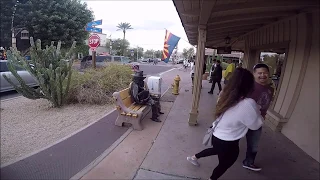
[137, 53]
[94, 59]
[13, 38]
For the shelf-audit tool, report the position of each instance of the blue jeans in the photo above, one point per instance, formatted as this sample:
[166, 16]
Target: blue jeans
[253, 137]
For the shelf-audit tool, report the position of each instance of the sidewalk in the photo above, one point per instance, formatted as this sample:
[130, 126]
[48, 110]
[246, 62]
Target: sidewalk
[160, 150]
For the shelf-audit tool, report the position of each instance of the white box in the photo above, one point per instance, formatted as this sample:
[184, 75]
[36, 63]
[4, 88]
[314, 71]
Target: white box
[154, 84]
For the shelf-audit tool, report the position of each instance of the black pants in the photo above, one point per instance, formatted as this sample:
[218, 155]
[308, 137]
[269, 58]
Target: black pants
[214, 84]
[227, 152]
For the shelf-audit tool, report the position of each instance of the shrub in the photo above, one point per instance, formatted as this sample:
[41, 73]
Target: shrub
[96, 86]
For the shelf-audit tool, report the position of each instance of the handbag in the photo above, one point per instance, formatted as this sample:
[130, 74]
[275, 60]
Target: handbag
[207, 139]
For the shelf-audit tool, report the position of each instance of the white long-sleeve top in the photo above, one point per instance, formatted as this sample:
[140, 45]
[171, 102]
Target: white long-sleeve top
[192, 69]
[236, 121]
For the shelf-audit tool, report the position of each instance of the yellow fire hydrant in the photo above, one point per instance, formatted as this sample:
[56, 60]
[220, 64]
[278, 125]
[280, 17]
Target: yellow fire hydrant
[175, 85]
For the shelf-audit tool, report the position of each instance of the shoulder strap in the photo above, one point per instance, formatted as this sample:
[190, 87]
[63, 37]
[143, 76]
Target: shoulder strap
[217, 122]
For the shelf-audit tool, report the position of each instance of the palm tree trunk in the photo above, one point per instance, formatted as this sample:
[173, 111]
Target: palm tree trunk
[124, 37]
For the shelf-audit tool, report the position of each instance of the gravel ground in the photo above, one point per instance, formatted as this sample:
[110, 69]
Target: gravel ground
[29, 125]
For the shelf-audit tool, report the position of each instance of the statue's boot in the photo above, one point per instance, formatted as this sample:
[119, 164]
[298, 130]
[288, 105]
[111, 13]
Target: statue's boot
[154, 111]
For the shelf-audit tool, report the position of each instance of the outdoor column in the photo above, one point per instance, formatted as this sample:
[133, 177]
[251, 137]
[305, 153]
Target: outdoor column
[198, 75]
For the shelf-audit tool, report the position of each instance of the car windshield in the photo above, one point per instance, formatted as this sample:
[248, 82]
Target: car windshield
[125, 59]
[4, 67]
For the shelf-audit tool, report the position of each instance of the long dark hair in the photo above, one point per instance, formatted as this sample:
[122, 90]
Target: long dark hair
[239, 86]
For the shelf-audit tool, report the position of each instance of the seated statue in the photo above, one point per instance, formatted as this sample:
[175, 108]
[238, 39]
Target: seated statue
[140, 94]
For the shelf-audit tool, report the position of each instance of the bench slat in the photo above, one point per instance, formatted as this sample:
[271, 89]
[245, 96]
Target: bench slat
[124, 93]
[128, 101]
[133, 106]
[141, 108]
[137, 107]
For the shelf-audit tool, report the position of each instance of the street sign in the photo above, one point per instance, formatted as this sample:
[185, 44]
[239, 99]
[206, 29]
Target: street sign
[94, 23]
[91, 26]
[94, 29]
[94, 41]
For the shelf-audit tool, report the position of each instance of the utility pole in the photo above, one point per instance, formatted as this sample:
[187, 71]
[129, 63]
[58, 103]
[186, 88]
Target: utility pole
[13, 38]
[110, 47]
[137, 53]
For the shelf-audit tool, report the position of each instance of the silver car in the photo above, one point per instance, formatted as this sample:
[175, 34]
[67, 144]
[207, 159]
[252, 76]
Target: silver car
[25, 75]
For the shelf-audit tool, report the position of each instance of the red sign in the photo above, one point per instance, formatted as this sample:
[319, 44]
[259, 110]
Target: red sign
[94, 41]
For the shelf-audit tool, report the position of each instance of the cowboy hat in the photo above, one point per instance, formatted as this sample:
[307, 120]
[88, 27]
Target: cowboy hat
[139, 74]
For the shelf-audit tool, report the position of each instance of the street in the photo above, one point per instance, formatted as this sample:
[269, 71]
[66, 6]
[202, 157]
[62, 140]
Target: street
[148, 69]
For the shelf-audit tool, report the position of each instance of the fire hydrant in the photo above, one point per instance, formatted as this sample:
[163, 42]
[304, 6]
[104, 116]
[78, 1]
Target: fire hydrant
[175, 85]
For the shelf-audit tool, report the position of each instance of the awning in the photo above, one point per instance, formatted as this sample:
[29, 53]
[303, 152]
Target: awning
[235, 18]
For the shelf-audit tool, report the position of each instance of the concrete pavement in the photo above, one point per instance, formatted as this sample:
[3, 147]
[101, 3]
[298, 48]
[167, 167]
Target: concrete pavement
[140, 157]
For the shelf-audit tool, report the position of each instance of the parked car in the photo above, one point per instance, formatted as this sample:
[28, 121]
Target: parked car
[144, 60]
[29, 79]
[101, 61]
[180, 61]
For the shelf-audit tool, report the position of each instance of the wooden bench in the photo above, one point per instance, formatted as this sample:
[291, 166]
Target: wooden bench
[128, 111]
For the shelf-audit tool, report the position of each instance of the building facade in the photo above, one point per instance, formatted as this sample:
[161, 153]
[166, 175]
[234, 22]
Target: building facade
[288, 28]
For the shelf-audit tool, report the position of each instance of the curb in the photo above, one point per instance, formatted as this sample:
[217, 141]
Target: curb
[4, 100]
[160, 74]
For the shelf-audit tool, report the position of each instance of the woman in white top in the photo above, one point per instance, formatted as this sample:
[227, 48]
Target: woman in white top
[235, 114]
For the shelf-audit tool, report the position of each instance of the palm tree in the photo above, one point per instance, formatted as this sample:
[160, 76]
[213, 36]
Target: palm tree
[124, 27]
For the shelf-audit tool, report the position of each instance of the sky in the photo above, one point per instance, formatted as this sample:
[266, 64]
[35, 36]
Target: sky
[149, 20]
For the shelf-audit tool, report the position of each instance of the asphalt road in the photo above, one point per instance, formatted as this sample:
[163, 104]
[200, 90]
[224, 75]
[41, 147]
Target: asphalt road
[148, 69]
[153, 69]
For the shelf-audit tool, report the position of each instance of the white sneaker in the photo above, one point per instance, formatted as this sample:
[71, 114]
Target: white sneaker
[193, 161]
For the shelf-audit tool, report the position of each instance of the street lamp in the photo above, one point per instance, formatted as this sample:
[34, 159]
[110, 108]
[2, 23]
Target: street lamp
[13, 43]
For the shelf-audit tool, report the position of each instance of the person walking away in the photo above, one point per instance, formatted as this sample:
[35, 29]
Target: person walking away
[230, 68]
[212, 69]
[192, 71]
[204, 68]
[216, 77]
[235, 114]
[185, 64]
[262, 94]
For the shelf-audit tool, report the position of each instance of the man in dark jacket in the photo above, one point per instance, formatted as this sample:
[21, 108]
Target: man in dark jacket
[216, 77]
[212, 69]
[140, 95]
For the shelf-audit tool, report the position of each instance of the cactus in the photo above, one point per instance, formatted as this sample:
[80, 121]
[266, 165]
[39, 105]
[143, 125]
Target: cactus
[48, 66]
